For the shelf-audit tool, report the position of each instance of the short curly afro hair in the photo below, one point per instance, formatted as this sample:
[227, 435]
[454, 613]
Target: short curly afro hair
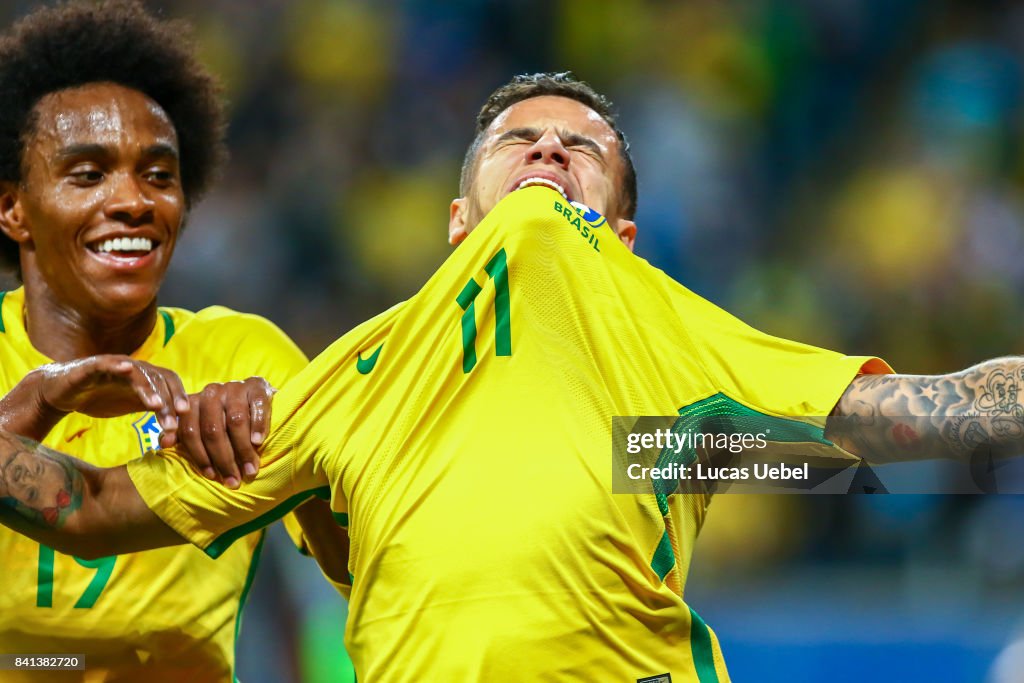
[115, 41]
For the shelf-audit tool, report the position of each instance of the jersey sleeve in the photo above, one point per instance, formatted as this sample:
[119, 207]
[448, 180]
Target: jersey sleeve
[212, 517]
[301, 457]
[276, 358]
[774, 375]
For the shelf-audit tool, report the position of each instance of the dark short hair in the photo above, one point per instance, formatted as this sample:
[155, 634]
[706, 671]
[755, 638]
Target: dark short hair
[563, 84]
[117, 41]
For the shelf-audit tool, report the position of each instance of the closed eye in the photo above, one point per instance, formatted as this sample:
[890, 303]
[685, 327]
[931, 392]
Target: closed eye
[577, 141]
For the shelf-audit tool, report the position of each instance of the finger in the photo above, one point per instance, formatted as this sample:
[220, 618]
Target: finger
[143, 382]
[178, 394]
[237, 412]
[162, 401]
[213, 432]
[174, 398]
[259, 409]
[192, 443]
[168, 439]
[118, 365]
[99, 368]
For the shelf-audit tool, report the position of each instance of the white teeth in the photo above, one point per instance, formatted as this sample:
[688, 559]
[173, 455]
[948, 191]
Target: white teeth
[545, 182]
[126, 244]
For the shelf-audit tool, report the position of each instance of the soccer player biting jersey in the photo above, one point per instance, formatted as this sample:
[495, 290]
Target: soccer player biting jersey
[463, 435]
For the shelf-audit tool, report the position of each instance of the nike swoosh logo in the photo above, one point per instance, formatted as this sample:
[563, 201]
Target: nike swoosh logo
[79, 433]
[365, 365]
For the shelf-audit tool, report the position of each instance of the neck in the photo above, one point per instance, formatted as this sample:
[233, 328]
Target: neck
[64, 333]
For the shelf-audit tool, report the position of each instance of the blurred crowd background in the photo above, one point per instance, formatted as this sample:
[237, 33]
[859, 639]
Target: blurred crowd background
[849, 173]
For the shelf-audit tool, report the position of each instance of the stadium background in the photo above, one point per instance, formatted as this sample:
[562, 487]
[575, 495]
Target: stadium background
[844, 172]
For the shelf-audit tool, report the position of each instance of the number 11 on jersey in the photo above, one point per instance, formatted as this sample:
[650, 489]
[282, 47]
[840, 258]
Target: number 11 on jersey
[497, 270]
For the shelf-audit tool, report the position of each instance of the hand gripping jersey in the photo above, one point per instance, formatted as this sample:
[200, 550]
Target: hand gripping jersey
[465, 438]
[162, 615]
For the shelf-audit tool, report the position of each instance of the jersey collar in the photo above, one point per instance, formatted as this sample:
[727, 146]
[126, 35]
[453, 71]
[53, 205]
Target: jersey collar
[12, 321]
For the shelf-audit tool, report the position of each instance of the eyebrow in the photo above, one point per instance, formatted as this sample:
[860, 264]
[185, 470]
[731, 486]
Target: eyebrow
[82, 149]
[161, 149]
[578, 140]
[568, 139]
[521, 133]
[91, 149]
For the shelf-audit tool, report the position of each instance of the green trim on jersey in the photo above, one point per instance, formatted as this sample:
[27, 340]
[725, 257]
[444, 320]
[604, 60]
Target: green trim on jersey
[222, 542]
[2, 328]
[718, 414]
[168, 325]
[253, 565]
[664, 559]
[721, 414]
[703, 649]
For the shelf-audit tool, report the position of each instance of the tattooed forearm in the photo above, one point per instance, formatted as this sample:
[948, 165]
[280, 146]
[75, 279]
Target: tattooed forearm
[894, 417]
[72, 506]
[40, 485]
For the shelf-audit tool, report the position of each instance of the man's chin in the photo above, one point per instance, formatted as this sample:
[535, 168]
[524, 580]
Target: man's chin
[122, 301]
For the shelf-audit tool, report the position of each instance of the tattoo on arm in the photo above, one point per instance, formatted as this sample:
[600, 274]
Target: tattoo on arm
[73, 507]
[958, 415]
[37, 484]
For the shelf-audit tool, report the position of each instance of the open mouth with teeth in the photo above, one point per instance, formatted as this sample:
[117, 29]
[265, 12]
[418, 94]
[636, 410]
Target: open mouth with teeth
[544, 182]
[123, 247]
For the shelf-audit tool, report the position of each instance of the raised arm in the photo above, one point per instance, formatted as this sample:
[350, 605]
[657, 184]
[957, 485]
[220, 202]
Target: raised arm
[903, 417]
[72, 506]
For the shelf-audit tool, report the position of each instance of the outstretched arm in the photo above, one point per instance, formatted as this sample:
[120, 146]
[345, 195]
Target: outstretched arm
[903, 417]
[72, 506]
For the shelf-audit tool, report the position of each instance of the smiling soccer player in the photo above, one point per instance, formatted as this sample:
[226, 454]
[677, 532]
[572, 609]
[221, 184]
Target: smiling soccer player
[110, 131]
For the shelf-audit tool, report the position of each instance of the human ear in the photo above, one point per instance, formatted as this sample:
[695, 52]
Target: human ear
[626, 230]
[12, 216]
[457, 222]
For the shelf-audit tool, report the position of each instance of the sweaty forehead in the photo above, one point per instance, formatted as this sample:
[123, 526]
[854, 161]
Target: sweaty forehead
[559, 113]
[101, 113]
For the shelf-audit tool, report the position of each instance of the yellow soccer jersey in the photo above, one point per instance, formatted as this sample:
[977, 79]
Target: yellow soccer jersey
[465, 436]
[162, 615]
